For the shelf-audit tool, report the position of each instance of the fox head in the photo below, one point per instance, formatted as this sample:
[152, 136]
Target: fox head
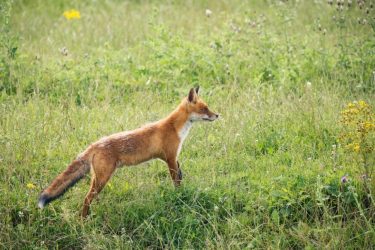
[197, 108]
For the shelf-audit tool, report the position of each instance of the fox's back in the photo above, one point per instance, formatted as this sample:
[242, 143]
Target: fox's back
[132, 147]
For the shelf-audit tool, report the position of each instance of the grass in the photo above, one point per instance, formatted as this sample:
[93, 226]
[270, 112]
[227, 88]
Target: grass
[267, 175]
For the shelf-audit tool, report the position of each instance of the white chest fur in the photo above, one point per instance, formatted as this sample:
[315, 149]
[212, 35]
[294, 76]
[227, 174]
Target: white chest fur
[184, 131]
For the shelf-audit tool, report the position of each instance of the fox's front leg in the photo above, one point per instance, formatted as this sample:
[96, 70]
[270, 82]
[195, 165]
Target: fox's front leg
[179, 171]
[175, 171]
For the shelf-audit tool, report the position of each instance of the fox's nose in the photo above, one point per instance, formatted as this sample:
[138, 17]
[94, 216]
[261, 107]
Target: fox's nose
[216, 116]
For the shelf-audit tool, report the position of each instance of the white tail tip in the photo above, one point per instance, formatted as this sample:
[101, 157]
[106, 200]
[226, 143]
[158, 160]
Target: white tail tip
[41, 204]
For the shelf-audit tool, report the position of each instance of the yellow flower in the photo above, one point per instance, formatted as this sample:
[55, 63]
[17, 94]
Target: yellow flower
[369, 126]
[356, 147]
[72, 14]
[110, 186]
[353, 111]
[30, 186]
[351, 105]
[362, 104]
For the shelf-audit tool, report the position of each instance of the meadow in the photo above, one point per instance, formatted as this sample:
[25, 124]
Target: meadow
[289, 164]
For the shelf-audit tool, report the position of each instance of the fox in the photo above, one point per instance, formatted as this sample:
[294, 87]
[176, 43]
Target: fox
[159, 140]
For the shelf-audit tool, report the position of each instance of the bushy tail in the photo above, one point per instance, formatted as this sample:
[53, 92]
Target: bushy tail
[75, 171]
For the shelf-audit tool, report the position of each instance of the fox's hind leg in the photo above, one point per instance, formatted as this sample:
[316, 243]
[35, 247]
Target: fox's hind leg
[102, 170]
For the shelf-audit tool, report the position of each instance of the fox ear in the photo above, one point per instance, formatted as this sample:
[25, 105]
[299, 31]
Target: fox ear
[197, 89]
[192, 95]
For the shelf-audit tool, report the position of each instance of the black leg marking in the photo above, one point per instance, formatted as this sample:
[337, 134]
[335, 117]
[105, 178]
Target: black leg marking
[179, 171]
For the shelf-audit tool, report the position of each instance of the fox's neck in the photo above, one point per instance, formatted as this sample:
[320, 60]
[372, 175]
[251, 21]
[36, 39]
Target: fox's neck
[180, 120]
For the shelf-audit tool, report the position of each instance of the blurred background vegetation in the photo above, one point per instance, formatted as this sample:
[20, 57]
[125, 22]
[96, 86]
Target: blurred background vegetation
[294, 82]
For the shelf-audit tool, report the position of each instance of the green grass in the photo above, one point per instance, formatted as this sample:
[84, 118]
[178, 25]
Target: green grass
[263, 176]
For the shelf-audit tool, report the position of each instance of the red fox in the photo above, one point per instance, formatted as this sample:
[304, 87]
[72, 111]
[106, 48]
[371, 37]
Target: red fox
[162, 139]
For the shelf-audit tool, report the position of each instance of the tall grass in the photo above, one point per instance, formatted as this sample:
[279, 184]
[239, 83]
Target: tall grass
[267, 175]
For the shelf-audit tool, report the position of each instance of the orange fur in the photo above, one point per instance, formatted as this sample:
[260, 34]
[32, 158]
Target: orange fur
[162, 140]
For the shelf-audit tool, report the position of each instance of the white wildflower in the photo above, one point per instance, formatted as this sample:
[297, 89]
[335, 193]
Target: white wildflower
[208, 12]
